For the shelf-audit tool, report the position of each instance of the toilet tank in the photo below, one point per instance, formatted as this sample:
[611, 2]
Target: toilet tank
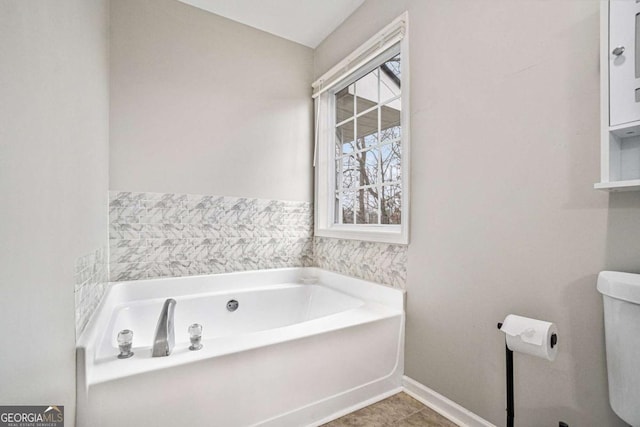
[621, 296]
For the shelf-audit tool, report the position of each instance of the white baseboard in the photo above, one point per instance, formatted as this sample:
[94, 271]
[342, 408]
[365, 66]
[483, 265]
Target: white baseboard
[442, 405]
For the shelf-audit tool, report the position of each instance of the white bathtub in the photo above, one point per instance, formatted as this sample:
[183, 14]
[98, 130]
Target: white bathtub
[292, 354]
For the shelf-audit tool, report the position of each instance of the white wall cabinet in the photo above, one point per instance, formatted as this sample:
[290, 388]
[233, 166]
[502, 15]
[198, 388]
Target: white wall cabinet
[620, 95]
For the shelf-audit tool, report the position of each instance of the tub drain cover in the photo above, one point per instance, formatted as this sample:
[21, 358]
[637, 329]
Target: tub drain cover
[232, 305]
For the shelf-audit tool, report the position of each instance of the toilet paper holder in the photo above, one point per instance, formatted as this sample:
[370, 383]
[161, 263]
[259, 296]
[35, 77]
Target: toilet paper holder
[510, 396]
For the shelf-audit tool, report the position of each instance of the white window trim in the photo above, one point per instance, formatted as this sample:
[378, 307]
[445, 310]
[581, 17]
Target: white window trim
[324, 226]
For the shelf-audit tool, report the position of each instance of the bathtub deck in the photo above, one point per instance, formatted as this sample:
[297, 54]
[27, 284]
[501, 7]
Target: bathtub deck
[400, 410]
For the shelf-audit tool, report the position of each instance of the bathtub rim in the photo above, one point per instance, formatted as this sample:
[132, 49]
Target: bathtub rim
[355, 287]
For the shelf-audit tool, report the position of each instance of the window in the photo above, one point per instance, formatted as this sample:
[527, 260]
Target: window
[368, 166]
[362, 144]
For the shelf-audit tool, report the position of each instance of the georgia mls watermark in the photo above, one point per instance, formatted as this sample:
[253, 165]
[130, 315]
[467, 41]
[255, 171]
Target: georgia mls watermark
[32, 416]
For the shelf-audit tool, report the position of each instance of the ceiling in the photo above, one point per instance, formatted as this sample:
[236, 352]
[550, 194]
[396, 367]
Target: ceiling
[307, 22]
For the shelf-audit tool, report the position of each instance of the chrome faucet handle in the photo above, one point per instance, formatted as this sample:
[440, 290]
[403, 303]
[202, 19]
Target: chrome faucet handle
[195, 335]
[125, 339]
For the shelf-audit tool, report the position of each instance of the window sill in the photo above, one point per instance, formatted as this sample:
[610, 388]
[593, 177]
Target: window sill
[385, 234]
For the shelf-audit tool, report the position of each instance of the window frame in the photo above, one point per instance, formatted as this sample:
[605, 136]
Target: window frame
[325, 224]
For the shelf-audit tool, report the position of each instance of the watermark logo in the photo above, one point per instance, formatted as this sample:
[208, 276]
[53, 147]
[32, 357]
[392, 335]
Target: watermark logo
[32, 416]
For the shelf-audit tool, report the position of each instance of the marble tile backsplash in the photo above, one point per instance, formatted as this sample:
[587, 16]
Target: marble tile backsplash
[162, 235]
[91, 276]
[378, 262]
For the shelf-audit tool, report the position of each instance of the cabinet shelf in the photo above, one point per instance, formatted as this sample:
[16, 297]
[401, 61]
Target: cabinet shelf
[628, 185]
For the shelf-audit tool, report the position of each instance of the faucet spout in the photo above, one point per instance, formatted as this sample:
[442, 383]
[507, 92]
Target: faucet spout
[164, 338]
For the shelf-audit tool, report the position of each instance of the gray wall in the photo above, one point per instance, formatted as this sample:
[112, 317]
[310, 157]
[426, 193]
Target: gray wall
[505, 150]
[53, 183]
[204, 105]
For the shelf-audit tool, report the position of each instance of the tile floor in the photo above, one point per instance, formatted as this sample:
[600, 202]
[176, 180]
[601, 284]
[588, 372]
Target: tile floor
[399, 410]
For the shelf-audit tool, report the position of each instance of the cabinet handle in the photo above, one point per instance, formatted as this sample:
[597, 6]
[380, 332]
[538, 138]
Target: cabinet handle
[618, 51]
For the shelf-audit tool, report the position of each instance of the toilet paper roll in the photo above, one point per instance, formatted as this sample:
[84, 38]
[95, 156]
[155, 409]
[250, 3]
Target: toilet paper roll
[530, 336]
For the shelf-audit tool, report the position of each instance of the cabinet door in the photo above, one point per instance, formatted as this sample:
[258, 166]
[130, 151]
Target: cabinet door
[624, 61]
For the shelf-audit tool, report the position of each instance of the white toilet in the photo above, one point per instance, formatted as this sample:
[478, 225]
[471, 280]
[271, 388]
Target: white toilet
[621, 295]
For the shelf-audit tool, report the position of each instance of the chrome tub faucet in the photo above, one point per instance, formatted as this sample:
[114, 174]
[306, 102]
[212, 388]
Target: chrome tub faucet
[164, 338]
